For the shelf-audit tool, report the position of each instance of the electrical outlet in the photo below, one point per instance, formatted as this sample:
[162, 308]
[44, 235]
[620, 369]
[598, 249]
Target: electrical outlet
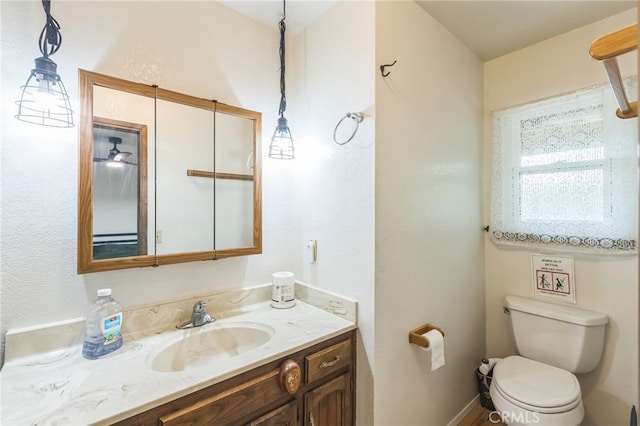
[158, 237]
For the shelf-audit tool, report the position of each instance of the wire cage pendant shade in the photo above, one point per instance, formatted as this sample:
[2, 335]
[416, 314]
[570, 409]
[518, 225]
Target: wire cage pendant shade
[44, 99]
[281, 146]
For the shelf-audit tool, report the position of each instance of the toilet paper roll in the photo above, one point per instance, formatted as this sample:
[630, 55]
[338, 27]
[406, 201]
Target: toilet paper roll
[436, 347]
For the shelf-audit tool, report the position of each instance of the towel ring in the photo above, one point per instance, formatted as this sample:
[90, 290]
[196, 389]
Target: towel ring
[357, 118]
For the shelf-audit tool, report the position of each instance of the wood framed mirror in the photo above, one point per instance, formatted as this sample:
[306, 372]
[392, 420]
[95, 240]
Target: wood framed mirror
[164, 177]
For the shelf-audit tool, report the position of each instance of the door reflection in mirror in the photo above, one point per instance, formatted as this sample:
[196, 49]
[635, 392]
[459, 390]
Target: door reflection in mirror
[119, 189]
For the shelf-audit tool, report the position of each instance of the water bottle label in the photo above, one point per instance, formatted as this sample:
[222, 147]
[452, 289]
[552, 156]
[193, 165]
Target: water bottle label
[111, 328]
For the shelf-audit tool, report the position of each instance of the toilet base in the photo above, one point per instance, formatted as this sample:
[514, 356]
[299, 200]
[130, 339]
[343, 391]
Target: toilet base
[513, 415]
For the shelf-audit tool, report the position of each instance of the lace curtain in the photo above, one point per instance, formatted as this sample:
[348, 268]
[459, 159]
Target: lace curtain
[565, 174]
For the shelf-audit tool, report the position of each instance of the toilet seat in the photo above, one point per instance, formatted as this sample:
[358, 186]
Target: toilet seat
[514, 415]
[535, 386]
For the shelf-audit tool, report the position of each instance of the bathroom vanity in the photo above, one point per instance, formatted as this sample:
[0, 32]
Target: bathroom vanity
[323, 395]
[254, 365]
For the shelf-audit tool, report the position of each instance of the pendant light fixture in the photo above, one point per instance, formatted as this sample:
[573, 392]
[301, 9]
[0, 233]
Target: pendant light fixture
[44, 99]
[281, 146]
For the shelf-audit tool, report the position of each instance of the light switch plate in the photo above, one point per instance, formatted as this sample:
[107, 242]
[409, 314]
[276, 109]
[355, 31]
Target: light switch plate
[311, 251]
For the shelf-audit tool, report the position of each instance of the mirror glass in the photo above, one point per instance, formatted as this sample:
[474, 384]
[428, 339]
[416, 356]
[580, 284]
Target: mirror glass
[234, 183]
[183, 199]
[164, 177]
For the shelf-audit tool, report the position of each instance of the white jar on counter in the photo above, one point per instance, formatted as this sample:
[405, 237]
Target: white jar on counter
[283, 290]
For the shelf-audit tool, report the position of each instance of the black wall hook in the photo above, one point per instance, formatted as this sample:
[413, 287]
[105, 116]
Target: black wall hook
[382, 67]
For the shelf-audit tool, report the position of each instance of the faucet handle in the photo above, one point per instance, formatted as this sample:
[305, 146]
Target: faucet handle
[200, 317]
[199, 306]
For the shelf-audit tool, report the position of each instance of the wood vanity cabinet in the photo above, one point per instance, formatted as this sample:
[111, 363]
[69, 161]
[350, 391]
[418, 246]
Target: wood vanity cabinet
[321, 392]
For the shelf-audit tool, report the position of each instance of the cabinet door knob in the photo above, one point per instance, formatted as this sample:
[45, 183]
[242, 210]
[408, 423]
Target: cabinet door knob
[290, 376]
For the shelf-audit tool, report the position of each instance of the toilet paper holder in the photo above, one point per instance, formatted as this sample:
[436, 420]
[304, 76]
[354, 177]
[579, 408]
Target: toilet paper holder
[416, 335]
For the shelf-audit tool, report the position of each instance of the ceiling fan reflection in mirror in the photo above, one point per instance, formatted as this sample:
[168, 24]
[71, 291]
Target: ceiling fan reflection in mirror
[116, 158]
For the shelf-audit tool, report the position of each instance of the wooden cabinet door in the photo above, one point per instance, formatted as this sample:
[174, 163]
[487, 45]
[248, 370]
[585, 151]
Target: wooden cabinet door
[329, 404]
[287, 415]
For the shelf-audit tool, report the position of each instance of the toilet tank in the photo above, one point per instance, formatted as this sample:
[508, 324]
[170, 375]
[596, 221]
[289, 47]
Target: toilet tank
[558, 335]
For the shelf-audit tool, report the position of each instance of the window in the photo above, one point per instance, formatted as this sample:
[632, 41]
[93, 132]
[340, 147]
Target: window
[565, 174]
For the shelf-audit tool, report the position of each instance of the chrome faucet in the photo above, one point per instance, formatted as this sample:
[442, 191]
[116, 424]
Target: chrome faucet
[199, 317]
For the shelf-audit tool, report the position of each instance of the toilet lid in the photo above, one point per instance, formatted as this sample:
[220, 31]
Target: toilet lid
[536, 386]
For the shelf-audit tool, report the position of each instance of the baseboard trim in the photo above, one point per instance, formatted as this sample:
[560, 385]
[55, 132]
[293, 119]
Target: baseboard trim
[466, 410]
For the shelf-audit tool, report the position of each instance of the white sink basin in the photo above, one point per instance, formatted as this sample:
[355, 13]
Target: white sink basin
[196, 347]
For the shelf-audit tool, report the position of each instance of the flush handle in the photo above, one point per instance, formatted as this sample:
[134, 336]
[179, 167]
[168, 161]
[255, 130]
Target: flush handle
[506, 310]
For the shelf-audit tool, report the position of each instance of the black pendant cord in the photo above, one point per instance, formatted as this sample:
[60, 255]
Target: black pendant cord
[283, 97]
[50, 37]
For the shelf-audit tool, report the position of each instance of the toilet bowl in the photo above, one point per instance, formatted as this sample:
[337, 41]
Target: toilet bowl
[528, 392]
[538, 386]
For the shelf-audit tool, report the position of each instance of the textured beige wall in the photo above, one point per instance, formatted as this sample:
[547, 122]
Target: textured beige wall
[334, 73]
[429, 253]
[605, 284]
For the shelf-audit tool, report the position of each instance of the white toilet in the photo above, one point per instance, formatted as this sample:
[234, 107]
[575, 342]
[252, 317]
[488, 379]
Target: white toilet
[554, 341]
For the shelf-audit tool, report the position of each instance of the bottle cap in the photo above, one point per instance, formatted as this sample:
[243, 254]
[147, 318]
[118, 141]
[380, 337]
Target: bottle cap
[104, 292]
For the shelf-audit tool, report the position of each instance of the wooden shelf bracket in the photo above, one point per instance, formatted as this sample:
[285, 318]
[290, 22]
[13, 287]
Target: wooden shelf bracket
[606, 49]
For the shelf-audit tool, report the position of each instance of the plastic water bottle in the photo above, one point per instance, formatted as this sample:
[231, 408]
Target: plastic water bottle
[103, 326]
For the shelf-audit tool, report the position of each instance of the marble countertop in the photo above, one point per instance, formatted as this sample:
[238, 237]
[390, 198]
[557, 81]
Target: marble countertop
[60, 387]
